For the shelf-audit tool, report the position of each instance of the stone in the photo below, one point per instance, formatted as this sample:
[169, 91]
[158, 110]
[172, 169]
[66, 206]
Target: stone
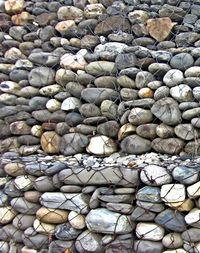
[191, 113]
[175, 13]
[141, 214]
[147, 131]
[23, 206]
[126, 82]
[69, 201]
[125, 60]
[32, 196]
[142, 246]
[41, 76]
[182, 93]
[66, 232]
[98, 68]
[89, 110]
[192, 71]
[160, 28]
[111, 24]
[192, 218]
[138, 16]
[14, 6]
[22, 18]
[70, 13]
[186, 132]
[185, 175]
[98, 95]
[76, 220]
[182, 61]
[50, 142]
[193, 190]
[140, 116]
[43, 228]
[143, 78]
[155, 175]
[9, 87]
[54, 216]
[149, 231]
[94, 10]
[64, 26]
[70, 103]
[24, 183]
[14, 169]
[34, 240]
[98, 176]
[101, 145]
[118, 224]
[166, 109]
[145, 93]
[7, 214]
[23, 221]
[74, 62]
[88, 241]
[172, 241]
[109, 109]
[173, 193]
[125, 130]
[170, 146]
[149, 194]
[191, 235]
[135, 144]
[73, 143]
[109, 128]
[173, 77]
[172, 220]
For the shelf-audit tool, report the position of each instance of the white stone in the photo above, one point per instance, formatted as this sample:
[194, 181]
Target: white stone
[193, 190]
[53, 105]
[37, 130]
[24, 183]
[74, 62]
[180, 250]
[115, 47]
[76, 220]
[173, 77]
[71, 103]
[193, 72]
[50, 90]
[43, 228]
[173, 193]
[149, 231]
[155, 175]
[193, 217]
[182, 93]
[101, 145]
[94, 10]
[7, 214]
[10, 87]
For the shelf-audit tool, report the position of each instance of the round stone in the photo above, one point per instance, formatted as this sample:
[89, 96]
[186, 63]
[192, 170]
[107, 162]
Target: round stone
[172, 241]
[140, 116]
[53, 105]
[182, 93]
[76, 220]
[41, 76]
[50, 142]
[182, 61]
[70, 104]
[173, 77]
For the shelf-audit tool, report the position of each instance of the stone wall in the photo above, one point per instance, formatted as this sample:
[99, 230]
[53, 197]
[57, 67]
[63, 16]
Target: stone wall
[83, 204]
[100, 77]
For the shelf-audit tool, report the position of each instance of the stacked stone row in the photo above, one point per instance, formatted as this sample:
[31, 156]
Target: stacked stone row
[64, 205]
[99, 77]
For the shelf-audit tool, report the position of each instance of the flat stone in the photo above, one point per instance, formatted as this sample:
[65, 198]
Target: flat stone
[41, 76]
[23, 206]
[142, 246]
[191, 235]
[140, 116]
[192, 218]
[155, 175]
[24, 182]
[98, 176]
[118, 224]
[185, 175]
[172, 220]
[67, 201]
[88, 242]
[76, 220]
[149, 231]
[141, 214]
[66, 232]
[193, 190]
[23, 221]
[149, 194]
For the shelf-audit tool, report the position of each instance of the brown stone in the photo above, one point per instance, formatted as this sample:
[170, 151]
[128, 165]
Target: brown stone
[160, 28]
[63, 26]
[45, 18]
[14, 6]
[53, 216]
[111, 24]
[49, 126]
[22, 18]
[15, 169]
[19, 128]
[50, 142]
[32, 196]
[5, 22]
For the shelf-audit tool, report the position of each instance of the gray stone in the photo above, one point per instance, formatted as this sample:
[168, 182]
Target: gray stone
[185, 39]
[23, 206]
[191, 113]
[140, 116]
[191, 235]
[120, 207]
[167, 110]
[141, 214]
[66, 232]
[182, 61]
[161, 92]
[33, 240]
[100, 176]
[102, 220]
[101, 68]
[57, 246]
[173, 77]
[44, 58]
[196, 122]
[171, 146]
[147, 131]
[77, 202]
[144, 246]
[98, 95]
[23, 221]
[172, 220]
[44, 184]
[196, 93]
[38, 103]
[185, 175]
[89, 110]
[88, 242]
[109, 128]
[73, 143]
[143, 78]
[182, 93]
[149, 194]
[41, 76]
[186, 132]
[135, 144]
[125, 60]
